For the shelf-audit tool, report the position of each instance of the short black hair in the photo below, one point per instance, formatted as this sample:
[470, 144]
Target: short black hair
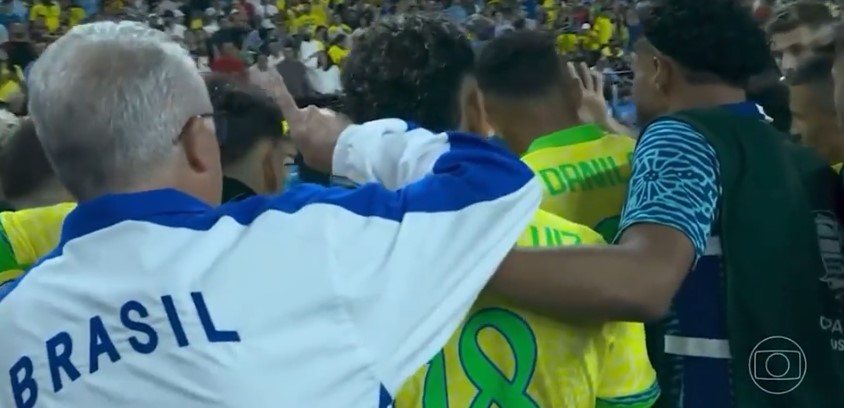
[24, 167]
[411, 67]
[520, 64]
[244, 114]
[812, 14]
[714, 40]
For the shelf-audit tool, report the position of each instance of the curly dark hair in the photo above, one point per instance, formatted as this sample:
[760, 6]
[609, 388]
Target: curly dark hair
[714, 40]
[410, 67]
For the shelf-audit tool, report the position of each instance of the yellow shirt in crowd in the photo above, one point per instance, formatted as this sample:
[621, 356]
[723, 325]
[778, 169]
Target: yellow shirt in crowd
[507, 357]
[584, 173]
[77, 14]
[9, 82]
[337, 54]
[50, 11]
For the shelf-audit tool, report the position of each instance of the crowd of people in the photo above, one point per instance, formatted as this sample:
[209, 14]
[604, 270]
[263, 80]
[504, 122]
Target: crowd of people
[422, 204]
[306, 41]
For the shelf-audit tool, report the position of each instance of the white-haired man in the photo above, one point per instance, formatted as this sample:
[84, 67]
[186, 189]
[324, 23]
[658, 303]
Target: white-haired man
[154, 298]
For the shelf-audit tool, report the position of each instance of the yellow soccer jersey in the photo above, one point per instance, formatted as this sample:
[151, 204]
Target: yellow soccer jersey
[27, 235]
[506, 357]
[584, 173]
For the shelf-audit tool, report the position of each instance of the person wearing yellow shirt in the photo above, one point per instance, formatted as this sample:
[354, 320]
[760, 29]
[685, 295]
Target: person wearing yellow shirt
[10, 80]
[26, 236]
[567, 42]
[532, 102]
[602, 30]
[76, 15]
[28, 182]
[501, 355]
[336, 26]
[509, 357]
[49, 10]
[310, 16]
[338, 49]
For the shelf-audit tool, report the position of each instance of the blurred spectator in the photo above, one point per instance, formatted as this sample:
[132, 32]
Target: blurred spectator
[7, 13]
[294, 72]
[171, 26]
[338, 48]
[263, 75]
[20, 49]
[11, 78]
[793, 27]
[308, 48]
[229, 61]
[49, 10]
[325, 77]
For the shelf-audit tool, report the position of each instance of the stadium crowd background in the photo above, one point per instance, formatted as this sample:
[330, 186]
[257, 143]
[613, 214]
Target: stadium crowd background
[246, 36]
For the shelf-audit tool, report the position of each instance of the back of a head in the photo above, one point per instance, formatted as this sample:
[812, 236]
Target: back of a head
[521, 65]
[25, 174]
[110, 101]
[410, 67]
[714, 41]
[244, 115]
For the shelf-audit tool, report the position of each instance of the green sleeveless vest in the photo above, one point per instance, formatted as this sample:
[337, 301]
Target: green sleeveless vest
[782, 259]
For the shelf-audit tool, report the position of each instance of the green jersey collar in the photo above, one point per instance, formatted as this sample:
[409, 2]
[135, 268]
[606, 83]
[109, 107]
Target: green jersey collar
[567, 137]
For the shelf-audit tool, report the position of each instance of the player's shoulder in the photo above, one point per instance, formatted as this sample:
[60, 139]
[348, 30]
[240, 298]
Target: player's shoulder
[616, 142]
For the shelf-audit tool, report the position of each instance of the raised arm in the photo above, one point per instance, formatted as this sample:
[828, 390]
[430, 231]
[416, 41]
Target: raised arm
[389, 151]
[421, 264]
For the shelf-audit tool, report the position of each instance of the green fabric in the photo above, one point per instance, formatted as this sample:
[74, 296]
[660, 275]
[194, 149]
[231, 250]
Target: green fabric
[8, 261]
[774, 194]
[567, 137]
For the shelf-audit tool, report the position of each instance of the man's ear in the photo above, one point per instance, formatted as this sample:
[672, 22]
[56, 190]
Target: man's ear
[473, 115]
[202, 152]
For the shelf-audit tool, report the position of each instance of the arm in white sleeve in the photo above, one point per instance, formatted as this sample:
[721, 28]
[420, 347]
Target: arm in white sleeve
[387, 151]
[408, 281]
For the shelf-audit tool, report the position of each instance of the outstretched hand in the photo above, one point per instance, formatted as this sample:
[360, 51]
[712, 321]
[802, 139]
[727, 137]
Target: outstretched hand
[593, 106]
[314, 130]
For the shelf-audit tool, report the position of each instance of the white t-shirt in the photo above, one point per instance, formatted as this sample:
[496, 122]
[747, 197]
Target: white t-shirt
[307, 50]
[268, 10]
[311, 298]
[326, 82]
[176, 31]
[202, 65]
[211, 28]
[273, 60]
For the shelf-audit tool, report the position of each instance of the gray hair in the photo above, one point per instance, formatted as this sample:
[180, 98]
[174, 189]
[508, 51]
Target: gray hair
[109, 101]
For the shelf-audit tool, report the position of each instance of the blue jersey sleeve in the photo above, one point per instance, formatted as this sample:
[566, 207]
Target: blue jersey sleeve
[674, 182]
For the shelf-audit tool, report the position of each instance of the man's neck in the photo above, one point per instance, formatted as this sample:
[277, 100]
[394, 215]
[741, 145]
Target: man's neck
[525, 131]
[704, 96]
